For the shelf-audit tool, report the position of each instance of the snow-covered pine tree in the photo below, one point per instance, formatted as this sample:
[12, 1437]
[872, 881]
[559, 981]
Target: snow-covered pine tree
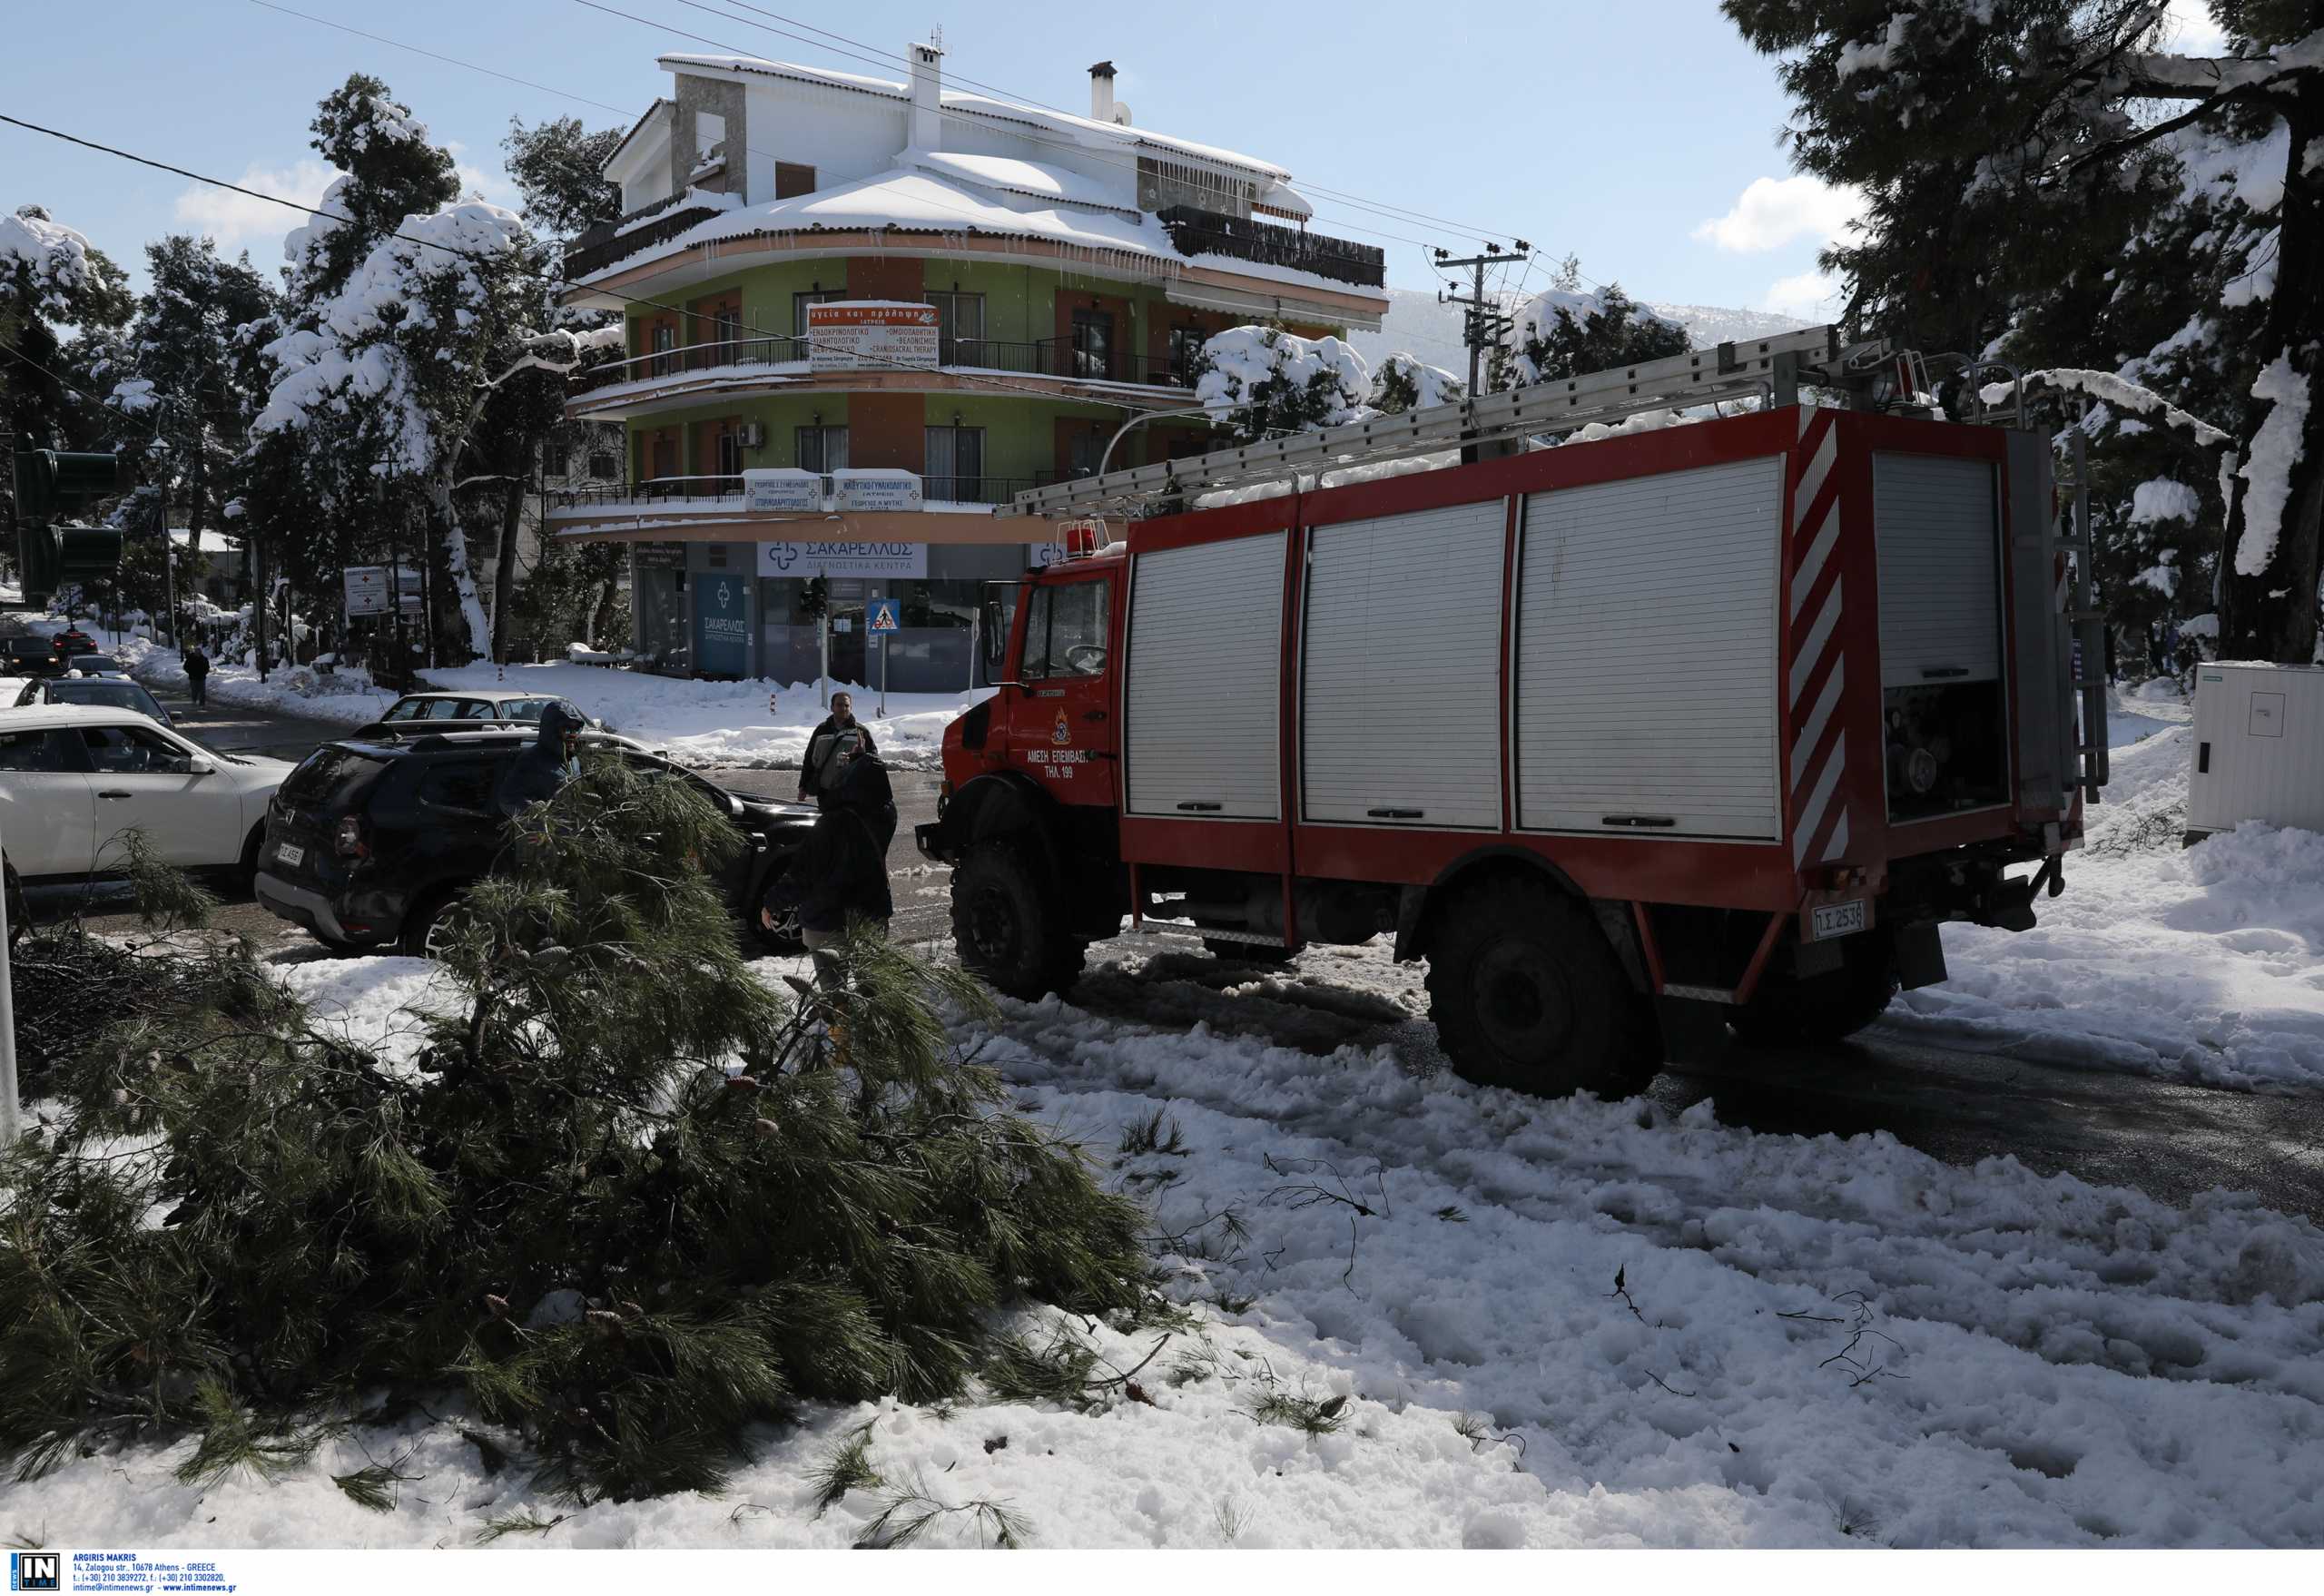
[566, 1209]
[1406, 382]
[1550, 342]
[1262, 381]
[2051, 173]
[438, 334]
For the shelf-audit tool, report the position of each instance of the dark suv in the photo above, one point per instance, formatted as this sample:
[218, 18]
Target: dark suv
[368, 842]
[30, 656]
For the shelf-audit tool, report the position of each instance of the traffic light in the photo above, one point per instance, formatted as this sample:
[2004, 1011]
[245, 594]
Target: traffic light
[54, 485]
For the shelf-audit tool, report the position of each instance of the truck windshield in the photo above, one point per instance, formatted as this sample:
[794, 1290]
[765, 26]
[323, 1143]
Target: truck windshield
[1065, 630]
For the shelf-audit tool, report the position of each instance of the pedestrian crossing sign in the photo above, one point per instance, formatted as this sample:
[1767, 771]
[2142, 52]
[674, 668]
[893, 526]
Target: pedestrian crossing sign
[883, 616]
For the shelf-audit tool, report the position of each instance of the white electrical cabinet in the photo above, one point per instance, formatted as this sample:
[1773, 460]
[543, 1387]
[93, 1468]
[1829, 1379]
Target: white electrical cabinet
[2259, 748]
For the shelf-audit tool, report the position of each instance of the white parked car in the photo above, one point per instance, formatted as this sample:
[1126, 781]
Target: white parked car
[74, 777]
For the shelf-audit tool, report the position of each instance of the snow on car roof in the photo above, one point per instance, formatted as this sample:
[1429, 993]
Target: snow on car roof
[33, 716]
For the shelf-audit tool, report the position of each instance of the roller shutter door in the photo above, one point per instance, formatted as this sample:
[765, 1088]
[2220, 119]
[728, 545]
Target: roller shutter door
[1940, 586]
[1646, 673]
[1400, 719]
[1206, 670]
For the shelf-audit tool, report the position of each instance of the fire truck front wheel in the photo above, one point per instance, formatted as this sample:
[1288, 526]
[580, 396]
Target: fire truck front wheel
[1526, 993]
[1009, 925]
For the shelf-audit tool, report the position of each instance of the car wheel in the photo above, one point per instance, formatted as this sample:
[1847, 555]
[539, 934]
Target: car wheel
[246, 875]
[428, 929]
[1527, 993]
[20, 912]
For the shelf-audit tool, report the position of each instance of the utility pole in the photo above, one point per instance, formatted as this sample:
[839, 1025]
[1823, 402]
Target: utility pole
[1484, 321]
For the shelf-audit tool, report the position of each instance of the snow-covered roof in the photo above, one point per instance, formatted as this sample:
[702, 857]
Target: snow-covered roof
[1078, 131]
[659, 110]
[924, 202]
[916, 200]
[1028, 177]
[1282, 196]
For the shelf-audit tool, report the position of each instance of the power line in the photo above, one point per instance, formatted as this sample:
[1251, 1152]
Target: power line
[433, 56]
[887, 60]
[968, 118]
[472, 256]
[1378, 208]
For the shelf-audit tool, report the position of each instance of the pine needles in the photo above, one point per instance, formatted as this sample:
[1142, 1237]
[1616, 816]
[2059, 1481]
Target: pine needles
[846, 1467]
[570, 1210]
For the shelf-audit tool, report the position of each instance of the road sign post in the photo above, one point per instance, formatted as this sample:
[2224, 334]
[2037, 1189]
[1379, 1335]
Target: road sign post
[882, 617]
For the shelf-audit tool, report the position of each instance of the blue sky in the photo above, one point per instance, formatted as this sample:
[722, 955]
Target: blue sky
[1631, 134]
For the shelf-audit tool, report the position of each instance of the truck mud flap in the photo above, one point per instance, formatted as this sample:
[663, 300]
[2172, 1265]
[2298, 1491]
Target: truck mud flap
[1920, 954]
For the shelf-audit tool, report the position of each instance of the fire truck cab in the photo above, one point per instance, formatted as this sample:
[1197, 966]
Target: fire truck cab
[1721, 720]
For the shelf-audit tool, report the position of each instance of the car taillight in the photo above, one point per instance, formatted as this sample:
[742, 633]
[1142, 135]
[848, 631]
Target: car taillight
[349, 843]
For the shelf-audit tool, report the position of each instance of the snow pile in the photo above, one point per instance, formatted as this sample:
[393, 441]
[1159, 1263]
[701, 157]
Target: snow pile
[2202, 964]
[726, 722]
[54, 258]
[1534, 1323]
[345, 697]
[1537, 322]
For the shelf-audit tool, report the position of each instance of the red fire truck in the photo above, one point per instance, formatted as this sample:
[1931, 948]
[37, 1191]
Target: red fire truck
[1720, 720]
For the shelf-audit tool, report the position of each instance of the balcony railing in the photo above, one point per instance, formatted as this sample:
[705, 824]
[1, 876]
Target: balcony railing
[1047, 357]
[600, 246]
[693, 356]
[989, 490]
[1209, 232]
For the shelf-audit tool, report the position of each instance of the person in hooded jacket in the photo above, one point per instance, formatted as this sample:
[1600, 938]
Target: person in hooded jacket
[837, 734]
[839, 874]
[536, 773]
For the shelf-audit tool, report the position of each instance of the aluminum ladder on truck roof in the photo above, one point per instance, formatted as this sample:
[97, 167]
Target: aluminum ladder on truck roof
[1772, 368]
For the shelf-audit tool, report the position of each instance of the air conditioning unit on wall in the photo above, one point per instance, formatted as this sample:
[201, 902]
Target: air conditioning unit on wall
[754, 434]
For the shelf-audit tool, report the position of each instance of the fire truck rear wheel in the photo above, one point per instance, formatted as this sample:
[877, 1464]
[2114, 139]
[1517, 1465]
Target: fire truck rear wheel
[1527, 993]
[1823, 1007]
[1009, 925]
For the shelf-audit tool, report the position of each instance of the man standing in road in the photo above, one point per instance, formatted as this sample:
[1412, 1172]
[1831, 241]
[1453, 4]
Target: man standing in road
[838, 734]
[197, 674]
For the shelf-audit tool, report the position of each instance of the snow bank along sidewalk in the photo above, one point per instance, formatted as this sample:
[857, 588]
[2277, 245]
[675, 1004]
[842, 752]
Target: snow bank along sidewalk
[726, 722]
[700, 723]
[1432, 1314]
[2203, 964]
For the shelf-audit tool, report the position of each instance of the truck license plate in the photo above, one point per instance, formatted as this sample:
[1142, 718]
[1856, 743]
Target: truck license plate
[291, 853]
[1835, 919]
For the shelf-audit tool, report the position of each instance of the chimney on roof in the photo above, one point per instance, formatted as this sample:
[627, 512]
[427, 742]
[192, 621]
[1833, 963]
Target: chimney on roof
[1101, 92]
[927, 96]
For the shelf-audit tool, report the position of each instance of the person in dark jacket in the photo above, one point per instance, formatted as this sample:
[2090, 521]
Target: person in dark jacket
[839, 874]
[827, 744]
[535, 775]
[197, 674]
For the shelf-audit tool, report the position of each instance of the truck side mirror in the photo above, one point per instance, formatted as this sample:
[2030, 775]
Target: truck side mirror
[996, 634]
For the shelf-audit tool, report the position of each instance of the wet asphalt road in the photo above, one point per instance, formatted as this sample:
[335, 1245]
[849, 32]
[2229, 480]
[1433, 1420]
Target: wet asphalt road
[2168, 1140]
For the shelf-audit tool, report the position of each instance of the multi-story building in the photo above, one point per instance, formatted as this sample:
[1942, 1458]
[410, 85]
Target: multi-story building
[1074, 264]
